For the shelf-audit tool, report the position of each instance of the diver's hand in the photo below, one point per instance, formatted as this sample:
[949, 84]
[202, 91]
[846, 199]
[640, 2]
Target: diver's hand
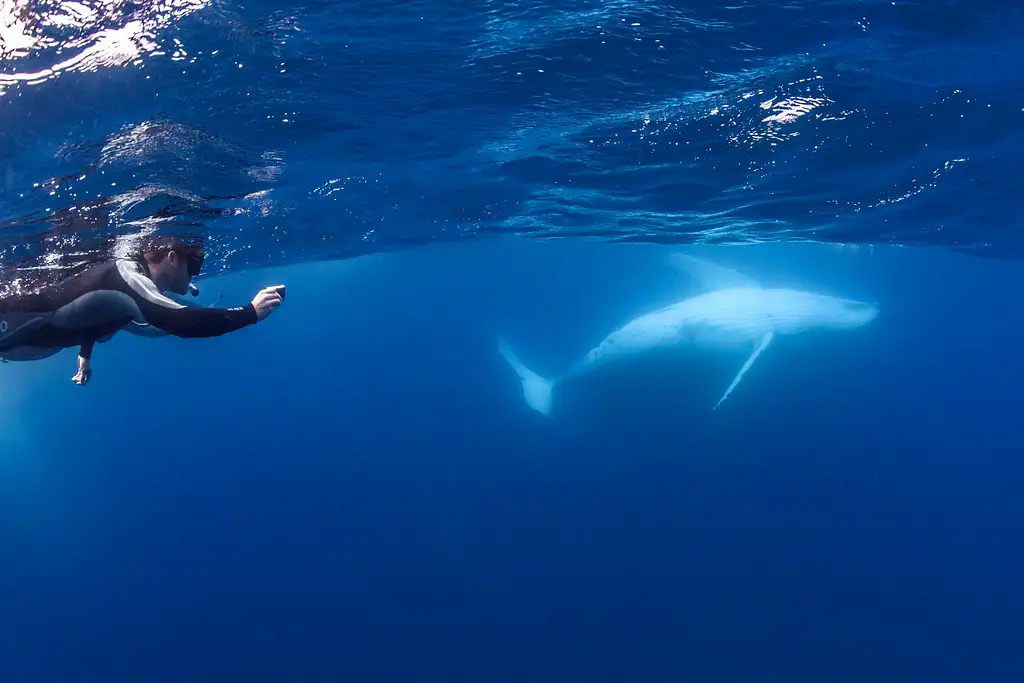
[84, 371]
[267, 301]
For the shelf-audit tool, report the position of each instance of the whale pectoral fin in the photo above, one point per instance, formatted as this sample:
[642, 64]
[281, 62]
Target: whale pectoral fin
[143, 330]
[761, 346]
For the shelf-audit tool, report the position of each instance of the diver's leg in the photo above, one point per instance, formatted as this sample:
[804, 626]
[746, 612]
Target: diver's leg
[16, 329]
[23, 353]
[96, 309]
[103, 308]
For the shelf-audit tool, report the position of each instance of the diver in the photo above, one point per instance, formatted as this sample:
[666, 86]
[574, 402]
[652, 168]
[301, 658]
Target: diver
[121, 293]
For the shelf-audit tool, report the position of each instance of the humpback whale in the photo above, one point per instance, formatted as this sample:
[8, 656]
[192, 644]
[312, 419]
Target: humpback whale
[733, 312]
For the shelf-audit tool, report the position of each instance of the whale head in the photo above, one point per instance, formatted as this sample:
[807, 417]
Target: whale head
[856, 314]
[795, 312]
[845, 314]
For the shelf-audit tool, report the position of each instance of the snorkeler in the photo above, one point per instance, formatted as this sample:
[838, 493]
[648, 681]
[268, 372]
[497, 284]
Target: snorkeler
[122, 293]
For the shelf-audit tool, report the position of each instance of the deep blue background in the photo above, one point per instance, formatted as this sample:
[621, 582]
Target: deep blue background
[355, 489]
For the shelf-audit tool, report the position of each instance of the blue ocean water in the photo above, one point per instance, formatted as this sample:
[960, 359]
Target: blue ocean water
[355, 489]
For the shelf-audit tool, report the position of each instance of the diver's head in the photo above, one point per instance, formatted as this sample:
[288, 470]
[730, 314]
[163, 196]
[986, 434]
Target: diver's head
[174, 263]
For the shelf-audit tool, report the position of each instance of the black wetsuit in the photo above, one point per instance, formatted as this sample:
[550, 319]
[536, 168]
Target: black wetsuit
[93, 305]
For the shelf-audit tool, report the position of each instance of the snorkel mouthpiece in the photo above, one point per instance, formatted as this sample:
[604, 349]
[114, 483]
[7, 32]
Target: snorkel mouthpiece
[193, 290]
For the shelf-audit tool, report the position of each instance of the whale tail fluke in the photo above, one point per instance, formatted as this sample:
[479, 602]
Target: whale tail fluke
[536, 390]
